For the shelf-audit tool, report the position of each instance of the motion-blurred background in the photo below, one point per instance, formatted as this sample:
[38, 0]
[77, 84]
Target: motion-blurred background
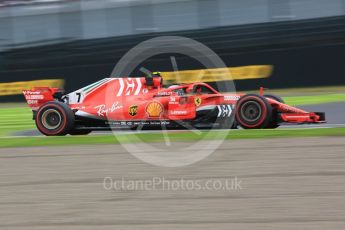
[293, 176]
[80, 41]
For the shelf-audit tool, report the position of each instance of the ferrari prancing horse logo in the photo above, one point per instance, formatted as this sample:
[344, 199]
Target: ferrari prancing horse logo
[133, 110]
[197, 101]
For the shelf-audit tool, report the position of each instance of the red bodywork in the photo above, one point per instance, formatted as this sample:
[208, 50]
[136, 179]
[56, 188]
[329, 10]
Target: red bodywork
[132, 99]
[293, 114]
[37, 96]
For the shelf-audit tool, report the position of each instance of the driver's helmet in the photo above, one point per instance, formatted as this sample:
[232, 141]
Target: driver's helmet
[156, 74]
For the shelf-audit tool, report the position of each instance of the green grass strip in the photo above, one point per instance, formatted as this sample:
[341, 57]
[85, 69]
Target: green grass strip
[314, 100]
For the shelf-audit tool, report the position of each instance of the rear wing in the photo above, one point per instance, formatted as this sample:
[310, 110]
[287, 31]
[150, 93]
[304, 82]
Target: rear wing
[37, 96]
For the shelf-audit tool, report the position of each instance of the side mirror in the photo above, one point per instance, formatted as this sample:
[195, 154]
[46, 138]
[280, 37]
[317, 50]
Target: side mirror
[195, 89]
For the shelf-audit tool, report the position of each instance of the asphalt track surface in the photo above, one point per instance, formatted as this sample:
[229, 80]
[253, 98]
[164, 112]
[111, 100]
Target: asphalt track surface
[335, 112]
[335, 116]
[285, 184]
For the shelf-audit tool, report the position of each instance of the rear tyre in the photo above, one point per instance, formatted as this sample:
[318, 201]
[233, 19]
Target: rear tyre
[253, 112]
[54, 119]
[75, 132]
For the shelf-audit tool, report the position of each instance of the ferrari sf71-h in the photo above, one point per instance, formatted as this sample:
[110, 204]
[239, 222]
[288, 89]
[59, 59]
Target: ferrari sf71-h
[144, 103]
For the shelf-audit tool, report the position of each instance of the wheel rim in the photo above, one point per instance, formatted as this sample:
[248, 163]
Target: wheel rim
[51, 119]
[251, 111]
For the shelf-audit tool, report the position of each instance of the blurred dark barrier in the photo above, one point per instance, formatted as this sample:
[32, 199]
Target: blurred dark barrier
[303, 53]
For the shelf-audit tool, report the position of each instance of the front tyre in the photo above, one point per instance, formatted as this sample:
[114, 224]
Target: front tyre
[274, 97]
[253, 112]
[54, 119]
[274, 124]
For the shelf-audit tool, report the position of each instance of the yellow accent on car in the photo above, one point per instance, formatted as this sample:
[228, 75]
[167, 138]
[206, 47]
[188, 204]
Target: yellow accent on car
[154, 109]
[197, 101]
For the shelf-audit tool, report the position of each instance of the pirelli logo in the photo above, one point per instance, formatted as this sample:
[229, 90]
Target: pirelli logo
[16, 88]
[219, 74]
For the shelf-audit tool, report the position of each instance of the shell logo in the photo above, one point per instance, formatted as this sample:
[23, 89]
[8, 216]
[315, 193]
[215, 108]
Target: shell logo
[154, 109]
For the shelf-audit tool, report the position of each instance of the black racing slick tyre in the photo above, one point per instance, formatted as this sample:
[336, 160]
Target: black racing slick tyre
[54, 119]
[253, 112]
[274, 97]
[274, 124]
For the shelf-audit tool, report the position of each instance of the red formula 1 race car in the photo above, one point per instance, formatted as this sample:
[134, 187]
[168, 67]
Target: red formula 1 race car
[143, 102]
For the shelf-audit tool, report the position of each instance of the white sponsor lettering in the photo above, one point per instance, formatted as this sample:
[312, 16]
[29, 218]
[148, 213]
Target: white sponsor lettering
[178, 112]
[103, 110]
[31, 102]
[231, 98]
[164, 93]
[34, 97]
[31, 92]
